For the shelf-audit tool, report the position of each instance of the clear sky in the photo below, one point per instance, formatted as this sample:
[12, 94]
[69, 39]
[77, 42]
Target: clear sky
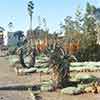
[53, 10]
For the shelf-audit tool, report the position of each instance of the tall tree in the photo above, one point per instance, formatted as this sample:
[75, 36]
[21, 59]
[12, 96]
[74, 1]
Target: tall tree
[45, 27]
[89, 26]
[68, 28]
[78, 20]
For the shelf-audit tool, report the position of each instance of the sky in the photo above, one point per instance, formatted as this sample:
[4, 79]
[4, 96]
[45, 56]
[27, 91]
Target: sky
[54, 11]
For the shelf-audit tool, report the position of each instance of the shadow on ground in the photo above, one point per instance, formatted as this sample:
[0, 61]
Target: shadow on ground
[20, 87]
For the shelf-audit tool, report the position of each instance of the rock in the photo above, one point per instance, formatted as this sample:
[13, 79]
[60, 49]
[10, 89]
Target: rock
[85, 78]
[44, 70]
[71, 90]
[23, 71]
[98, 89]
[47, 86]
[88, 89]
[2, 98]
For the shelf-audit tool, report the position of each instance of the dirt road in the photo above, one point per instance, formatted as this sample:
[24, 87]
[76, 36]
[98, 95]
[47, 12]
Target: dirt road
[8, 76]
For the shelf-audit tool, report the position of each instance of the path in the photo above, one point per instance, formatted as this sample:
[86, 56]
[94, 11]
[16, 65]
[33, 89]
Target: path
[8, 76]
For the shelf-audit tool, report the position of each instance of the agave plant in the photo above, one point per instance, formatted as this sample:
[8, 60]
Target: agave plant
[59, 64]
[27, 56]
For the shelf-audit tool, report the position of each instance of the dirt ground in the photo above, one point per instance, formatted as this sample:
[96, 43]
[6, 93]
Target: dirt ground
[8, 76]
[58, 96]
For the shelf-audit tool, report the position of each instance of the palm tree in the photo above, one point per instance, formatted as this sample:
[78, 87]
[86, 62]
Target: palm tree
[30, 11]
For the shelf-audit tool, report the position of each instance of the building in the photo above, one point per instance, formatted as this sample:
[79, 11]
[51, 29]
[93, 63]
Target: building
[1, 39]
[1, 36]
